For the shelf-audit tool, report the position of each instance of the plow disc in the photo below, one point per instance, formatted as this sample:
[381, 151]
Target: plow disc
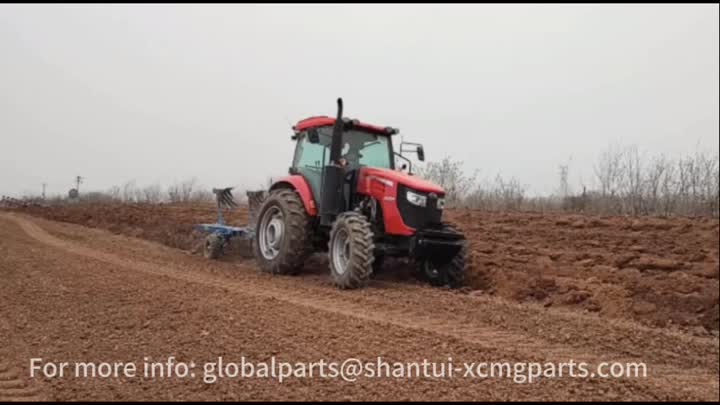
[224, 197]
[255, 200]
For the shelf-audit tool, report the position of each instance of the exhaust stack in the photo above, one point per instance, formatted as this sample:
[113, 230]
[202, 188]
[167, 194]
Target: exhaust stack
[333, 174]
[336, 144]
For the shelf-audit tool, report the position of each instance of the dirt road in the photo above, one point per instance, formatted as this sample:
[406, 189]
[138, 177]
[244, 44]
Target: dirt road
[71, 293]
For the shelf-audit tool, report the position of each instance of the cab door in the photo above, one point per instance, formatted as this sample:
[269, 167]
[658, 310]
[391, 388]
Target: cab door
[312, 154]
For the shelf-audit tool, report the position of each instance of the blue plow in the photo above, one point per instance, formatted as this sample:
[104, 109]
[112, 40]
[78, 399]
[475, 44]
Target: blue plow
[220, 234]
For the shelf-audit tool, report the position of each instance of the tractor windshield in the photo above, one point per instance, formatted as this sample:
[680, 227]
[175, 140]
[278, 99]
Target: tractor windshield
[359, 148]
[362, 148]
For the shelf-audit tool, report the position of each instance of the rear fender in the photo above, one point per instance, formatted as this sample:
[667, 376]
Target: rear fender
[299, 184]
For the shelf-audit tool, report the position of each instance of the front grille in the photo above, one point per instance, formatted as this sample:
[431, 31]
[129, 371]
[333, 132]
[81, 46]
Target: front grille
[418, 217]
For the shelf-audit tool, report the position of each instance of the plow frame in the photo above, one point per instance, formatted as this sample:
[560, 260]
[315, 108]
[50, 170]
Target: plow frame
[220, 231]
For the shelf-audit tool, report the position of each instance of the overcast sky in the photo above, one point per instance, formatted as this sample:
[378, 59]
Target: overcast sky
[159, 93]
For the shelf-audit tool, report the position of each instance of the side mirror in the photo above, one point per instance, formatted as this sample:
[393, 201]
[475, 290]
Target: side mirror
[421, 153]
[313, 136]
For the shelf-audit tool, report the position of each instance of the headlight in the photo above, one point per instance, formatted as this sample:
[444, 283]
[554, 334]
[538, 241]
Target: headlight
[441, 203]
[416, 199]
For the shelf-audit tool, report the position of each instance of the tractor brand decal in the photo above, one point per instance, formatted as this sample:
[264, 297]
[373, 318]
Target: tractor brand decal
[383, 181]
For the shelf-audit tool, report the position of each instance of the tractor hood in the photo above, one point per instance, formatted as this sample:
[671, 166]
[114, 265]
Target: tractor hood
[407, 180]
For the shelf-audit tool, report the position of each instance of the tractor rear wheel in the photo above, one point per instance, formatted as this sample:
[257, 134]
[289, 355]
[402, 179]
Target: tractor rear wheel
[351, 251]
[451, 274]
[282, 233]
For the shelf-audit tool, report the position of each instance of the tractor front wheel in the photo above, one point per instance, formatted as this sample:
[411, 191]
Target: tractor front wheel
[282, 234]
[351, 251]
[451, 274]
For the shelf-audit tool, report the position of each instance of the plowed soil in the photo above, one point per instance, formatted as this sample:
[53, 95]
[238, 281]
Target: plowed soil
[120, 283]
[658, 271]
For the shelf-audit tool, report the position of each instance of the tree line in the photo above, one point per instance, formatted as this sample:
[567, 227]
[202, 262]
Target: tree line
[625, 182]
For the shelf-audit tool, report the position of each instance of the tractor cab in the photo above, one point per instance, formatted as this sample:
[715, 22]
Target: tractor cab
[362, 145]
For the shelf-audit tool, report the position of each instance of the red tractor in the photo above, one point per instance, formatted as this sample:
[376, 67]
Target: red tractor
[344, 196]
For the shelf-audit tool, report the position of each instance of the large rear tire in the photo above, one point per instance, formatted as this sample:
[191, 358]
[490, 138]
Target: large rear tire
[282, 233]
[351, 251]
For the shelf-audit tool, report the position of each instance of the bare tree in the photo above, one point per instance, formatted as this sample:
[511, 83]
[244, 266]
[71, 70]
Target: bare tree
[182, 192]
[708, 175]
[576, 203]
[129, 193]
[510, 193]
[152, 194]
[669, 190]
[202, 195]
[449, 175]
[114, 193]
[608, 171]
[656, 172]
[632, 182]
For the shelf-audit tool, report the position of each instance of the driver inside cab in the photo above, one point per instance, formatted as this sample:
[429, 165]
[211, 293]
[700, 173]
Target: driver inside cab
[351, 156]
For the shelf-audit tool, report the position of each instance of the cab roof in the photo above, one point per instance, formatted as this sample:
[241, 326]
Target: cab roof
[321, 121]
